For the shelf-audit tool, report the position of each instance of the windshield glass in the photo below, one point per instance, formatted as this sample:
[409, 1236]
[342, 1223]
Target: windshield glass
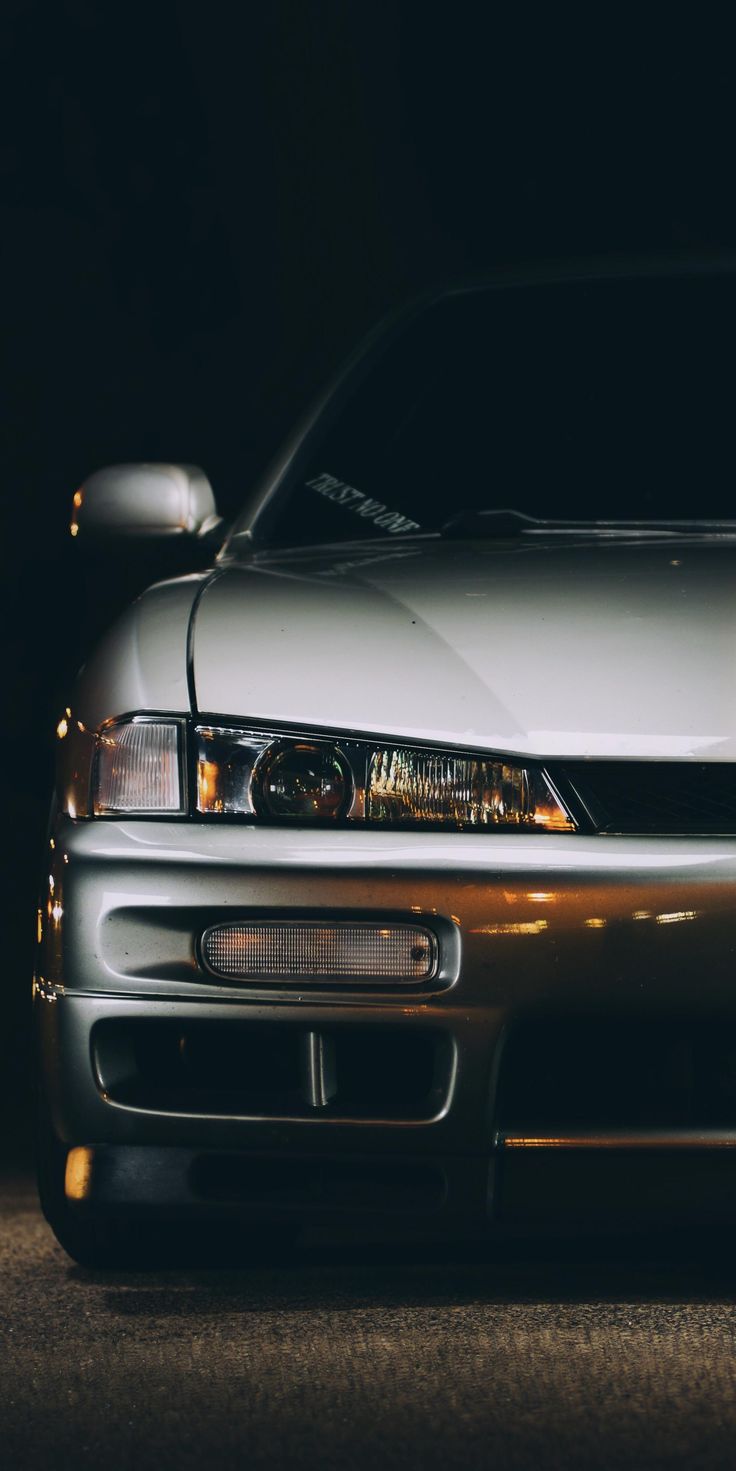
[609, 400]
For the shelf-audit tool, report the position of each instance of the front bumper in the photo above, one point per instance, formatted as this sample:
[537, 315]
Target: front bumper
[567, 939]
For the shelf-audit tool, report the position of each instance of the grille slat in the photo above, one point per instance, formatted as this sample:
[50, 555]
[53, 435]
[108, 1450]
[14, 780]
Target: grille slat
[662, 797]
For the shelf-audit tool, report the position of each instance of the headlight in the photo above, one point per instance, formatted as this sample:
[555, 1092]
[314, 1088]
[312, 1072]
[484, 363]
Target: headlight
[278, 778]
[139, 767]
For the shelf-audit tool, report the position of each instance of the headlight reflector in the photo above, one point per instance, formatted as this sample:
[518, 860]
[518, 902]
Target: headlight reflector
[138, 768]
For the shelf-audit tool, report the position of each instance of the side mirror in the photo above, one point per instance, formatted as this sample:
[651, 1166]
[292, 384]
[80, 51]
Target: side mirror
[145, 501]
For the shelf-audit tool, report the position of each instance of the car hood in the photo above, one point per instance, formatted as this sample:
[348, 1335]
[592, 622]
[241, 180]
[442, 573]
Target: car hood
[609, 648]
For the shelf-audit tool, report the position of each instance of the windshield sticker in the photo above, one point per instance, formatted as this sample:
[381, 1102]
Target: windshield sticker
[361, 504]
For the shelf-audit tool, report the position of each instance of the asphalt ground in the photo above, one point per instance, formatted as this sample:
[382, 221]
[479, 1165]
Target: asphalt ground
[337, 1355]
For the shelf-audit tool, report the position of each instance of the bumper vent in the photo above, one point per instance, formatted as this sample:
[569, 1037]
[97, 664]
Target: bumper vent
[243, 1069]
[658, 797]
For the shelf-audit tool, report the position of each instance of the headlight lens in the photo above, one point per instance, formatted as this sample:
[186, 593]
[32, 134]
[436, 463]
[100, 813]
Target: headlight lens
[302, 779]
[138, 768]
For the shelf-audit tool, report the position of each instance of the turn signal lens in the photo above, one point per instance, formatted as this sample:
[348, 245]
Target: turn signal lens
[302, 779]
[406, 786]
[138, 768]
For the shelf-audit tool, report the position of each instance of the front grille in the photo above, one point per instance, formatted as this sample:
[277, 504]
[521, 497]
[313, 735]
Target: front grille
[662, 797]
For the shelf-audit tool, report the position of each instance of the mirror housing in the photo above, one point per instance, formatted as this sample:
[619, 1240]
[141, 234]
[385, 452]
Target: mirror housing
[147, 500]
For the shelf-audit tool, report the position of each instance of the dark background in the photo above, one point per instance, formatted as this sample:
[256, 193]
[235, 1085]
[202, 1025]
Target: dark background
[202, 207]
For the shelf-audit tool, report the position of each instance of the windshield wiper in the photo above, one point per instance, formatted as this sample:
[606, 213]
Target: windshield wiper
[507, 524]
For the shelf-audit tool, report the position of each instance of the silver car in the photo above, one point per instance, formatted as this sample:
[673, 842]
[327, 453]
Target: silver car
[392, 865]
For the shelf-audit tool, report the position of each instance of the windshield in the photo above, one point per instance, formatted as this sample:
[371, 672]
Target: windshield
[611, 400]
